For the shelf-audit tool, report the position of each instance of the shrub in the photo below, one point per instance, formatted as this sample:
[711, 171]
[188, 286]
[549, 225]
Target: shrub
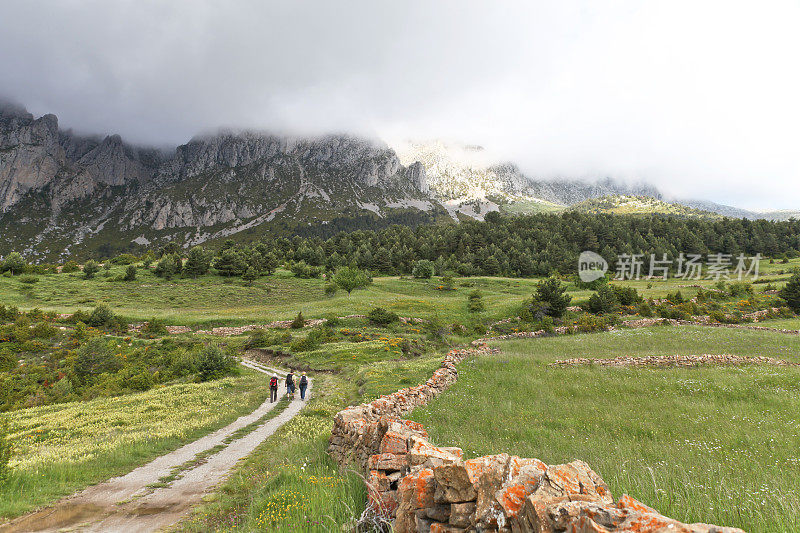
[475, 302]
[70, 266]
[740, 288]
[435, 329]
[198, 262]
[213, 363]
[154, 328]
[124, 259]
[299, 322]
[302, 345]
[552, 292]
[303, 270]
[43, 330]
[29, 279]
[423, 269]
[791, 292]
[446, 283]
[95, 358]
[350, 278]
[90, 268]
[330, 290]
[603, 301]
[169, 265]
[627, 295]
[677, 298]
[382, 317]
[130, 273]
[645, 310]
[8, 361]
[333, 321]
[259, 338]
[14, 263]
[250, 275]
[101, 316]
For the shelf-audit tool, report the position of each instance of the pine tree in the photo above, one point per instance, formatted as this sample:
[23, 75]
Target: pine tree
[250, 275]
[552, 292]
[198, 261]
[791, 292]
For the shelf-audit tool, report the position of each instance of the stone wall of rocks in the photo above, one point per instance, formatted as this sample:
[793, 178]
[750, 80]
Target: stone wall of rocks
[424, 488]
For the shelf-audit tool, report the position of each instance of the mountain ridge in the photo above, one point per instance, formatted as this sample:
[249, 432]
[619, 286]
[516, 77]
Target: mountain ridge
[63, 193]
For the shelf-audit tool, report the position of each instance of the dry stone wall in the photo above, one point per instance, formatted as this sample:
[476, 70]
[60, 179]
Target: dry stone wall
[428, 489]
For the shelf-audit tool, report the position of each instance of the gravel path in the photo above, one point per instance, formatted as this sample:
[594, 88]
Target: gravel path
[127, 503]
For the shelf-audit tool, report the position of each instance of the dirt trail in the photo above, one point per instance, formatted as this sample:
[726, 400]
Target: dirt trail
[129, 503]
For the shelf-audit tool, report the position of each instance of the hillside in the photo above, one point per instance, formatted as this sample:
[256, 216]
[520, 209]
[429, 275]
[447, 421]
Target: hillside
[62, 193]
[639, 205]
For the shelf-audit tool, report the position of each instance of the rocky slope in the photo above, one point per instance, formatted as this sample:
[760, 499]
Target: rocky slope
[461, 174]
[61, 192]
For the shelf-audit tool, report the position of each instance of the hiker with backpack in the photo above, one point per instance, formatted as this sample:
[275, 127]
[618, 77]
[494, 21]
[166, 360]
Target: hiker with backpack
[290, 385]
[303, 386]
[273, 389]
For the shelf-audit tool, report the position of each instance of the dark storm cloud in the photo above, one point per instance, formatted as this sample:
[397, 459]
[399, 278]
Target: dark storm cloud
[697, 97]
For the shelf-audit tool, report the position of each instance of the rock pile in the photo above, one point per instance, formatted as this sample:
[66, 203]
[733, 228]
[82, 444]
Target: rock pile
[675, 361]
[429, 489]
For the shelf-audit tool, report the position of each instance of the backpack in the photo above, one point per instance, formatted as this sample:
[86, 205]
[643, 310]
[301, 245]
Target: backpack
[273, 383]
[303, 381]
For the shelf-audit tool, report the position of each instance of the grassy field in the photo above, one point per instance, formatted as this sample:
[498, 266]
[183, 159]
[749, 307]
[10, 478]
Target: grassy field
[61, 448]
[717, 445]
[215, 300]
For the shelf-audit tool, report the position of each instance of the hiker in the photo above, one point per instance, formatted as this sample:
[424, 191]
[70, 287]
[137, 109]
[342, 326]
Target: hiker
[290, 385]
[273, 389]
[303, 386]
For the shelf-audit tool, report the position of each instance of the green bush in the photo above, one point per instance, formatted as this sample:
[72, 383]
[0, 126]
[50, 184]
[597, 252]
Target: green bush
[382, 317]
[350, 278]
[130, 273]
[552, 292]
[70, 266]
[29, 279]
[330, 290]
[791, 292]
[475, 302]
[645, 310]
[101, 316]
[259, 338]
[603, 301]
[303, 270]
[95, 358]
[423, 269]
[154, 328]
[213, 363]
[124, 259]
[627, 296]
[299, 322]
[90, 268]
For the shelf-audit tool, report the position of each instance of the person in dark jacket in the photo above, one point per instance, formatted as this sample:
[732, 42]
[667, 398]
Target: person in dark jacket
[290, 384]
[303, 386]
[273, 389]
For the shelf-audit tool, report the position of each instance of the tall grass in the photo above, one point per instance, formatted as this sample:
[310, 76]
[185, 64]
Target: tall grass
[717, 445]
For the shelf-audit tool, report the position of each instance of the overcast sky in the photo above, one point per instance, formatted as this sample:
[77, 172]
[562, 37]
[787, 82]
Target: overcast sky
[698, 98]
